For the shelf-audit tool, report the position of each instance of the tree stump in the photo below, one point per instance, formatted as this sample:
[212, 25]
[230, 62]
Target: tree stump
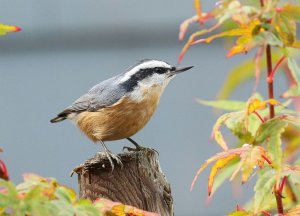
[139, 182]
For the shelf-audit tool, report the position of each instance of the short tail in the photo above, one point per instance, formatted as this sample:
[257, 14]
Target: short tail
[58, 119]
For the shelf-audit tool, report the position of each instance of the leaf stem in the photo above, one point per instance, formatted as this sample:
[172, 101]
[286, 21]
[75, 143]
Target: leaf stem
[260, 118]
[278, 197]
[262, 3]
[282, 184]
[271, 76]
[270, 84]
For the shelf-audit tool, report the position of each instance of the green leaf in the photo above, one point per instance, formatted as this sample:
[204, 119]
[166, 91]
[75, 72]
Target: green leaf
[270, 132]
[218, 136]
[293, 66]
[263, 189]
[239, 75]
[269, 38]
[293, 91]
[242, 73]
[10, 197]
[229, 105]
[238, 129]
[241, 213]
[224, 174]
[291, 11]
[65, 194]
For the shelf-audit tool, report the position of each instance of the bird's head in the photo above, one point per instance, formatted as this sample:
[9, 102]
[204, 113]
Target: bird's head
[148, 73]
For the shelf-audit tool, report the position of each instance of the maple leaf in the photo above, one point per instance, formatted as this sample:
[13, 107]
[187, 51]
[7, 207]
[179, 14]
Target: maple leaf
[295, 211]
[4, 29]
[249, 156]
[230, 9]
[108, 207]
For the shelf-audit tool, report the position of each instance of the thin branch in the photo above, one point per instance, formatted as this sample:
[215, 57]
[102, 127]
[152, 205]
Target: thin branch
[282, 184]
[270, 84]
[278, 197]
[271, 76]
[260, 118]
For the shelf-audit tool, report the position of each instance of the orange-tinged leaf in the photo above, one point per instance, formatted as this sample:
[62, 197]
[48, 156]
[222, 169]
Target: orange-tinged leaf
[192, 38]
[252, 157]
[245, 42]
[108, 207]
[255, 104]
[197, 174]
[219, 156]
[4, 29]
[185, 25]
[216, 168]
[216, 133]
[197, 5]
[232, 32]
[295, 211]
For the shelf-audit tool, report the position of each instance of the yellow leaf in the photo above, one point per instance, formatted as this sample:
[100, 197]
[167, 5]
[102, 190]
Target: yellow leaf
[232, 32]
[216, 168]
[185, 25]
[197, 5]
[255, 104]
[295, 211]
[244, 42]
[250, 158]
[4, 29]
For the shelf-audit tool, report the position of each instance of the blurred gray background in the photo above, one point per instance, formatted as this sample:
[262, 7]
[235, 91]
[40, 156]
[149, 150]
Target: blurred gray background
[66, 47]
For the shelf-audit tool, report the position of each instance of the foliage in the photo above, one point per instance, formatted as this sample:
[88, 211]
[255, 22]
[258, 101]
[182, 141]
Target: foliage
[44, 196]
[4, 29]
[267, 132]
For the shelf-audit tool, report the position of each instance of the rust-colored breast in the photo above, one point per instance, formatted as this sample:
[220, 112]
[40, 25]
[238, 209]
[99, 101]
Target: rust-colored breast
[119, 121]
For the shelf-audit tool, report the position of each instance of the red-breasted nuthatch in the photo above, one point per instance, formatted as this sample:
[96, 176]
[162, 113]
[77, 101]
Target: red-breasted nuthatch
[119, 107]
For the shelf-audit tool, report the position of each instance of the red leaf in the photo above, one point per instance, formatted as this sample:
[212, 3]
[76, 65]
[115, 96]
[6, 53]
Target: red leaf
[3, 171]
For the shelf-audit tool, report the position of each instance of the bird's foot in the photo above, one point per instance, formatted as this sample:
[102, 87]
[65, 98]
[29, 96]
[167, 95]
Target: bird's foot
[112, 157]
[137, 147]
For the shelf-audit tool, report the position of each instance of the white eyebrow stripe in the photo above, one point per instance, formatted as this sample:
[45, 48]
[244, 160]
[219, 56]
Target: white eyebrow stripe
[147, 64]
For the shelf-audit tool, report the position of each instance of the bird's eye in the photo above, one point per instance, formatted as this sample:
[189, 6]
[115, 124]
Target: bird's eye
[173, 68]
[160, 70]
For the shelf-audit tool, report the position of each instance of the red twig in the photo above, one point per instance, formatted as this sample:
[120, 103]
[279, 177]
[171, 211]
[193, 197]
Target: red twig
[266, 213]
[267, 159]
[282, 184]
[262, 3]
[261, 119]
[278, 197]
[270, 84]
[271, 76]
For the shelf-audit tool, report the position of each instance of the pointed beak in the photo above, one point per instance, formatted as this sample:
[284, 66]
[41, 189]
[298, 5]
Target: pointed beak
[180, 70]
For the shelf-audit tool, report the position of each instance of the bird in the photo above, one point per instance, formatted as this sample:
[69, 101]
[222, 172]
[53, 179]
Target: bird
[119, 107]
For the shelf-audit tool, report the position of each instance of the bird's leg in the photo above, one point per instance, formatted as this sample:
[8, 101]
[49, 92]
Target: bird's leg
[137, 146]
[110, 156]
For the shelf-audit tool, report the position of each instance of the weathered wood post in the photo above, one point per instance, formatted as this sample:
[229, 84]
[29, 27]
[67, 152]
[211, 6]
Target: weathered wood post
[140, 182]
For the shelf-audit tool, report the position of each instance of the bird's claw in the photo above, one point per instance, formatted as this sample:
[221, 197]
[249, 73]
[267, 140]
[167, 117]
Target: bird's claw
[110, 156]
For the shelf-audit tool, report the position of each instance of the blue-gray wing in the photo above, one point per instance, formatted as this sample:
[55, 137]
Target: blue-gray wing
[102, 95]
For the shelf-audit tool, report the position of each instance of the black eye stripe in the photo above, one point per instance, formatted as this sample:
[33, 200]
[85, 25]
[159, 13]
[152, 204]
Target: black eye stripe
[142, 74]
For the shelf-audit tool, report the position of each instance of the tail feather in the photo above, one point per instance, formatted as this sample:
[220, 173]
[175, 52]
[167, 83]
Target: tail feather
[58, 119]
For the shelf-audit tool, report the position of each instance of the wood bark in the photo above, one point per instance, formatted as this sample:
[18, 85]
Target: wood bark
[139, 182]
